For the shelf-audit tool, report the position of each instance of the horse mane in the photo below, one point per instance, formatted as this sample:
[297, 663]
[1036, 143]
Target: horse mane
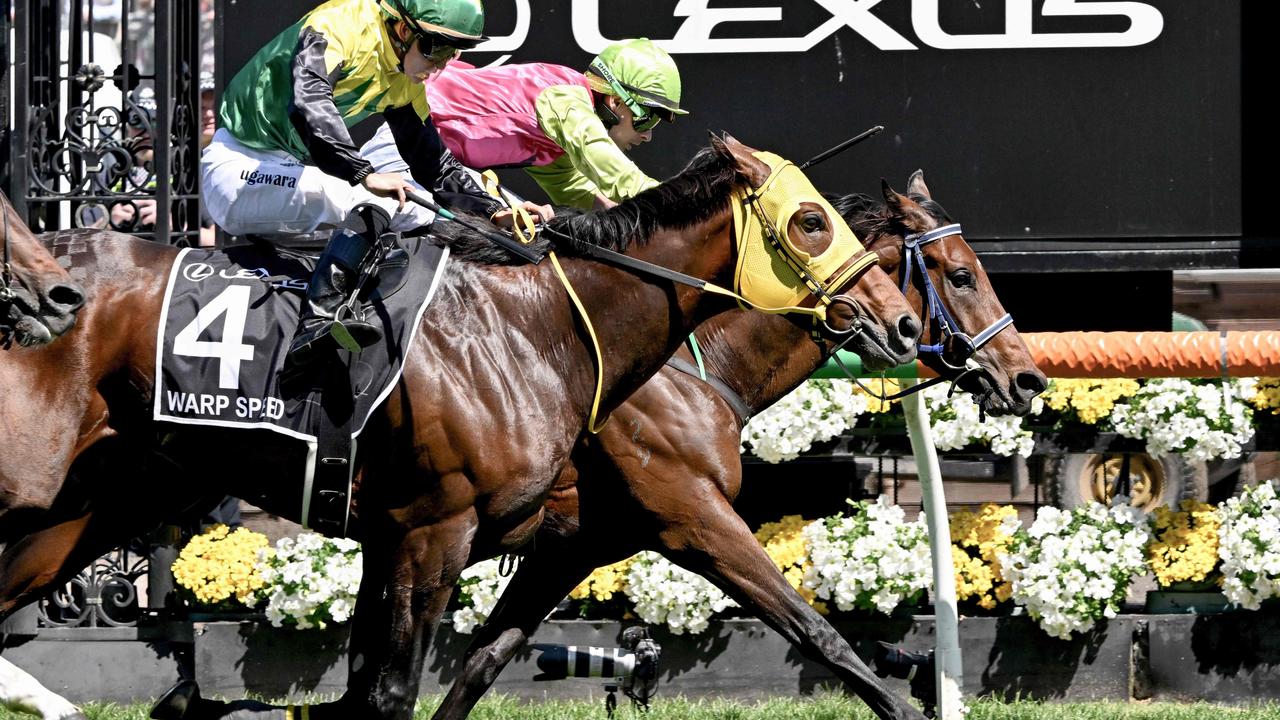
[870, 217]
[692, 196]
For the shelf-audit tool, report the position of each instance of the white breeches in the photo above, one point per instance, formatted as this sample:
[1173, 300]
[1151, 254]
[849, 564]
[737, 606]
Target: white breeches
[246, 190]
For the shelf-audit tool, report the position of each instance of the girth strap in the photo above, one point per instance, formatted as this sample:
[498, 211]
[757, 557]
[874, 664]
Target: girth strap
[735, 400]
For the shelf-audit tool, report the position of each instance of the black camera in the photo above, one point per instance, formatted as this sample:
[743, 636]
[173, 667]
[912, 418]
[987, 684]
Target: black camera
[632, 668]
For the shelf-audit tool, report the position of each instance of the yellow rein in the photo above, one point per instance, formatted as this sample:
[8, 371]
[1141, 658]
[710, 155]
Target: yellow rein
[526, 231]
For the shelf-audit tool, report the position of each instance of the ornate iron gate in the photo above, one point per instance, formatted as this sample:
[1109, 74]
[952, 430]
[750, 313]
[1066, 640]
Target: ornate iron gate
[87, 106]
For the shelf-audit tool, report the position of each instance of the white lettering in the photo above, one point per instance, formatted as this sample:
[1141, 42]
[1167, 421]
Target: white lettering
[231, 350]
[253, 408]
[694, 34]
[196, 403]
[512, 42]
[1145, 24]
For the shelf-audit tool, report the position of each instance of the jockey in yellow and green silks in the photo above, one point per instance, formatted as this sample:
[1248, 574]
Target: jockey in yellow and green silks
[282, 160]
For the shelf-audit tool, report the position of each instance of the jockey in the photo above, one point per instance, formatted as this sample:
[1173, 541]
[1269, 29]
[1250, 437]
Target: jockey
[282, 159]
[568, 129]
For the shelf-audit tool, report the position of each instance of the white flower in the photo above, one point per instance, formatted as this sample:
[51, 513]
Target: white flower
[310, 581]
[871, 559]
[956, 423]
[1203, 420]
[817, 410]
[1071, 569]
[481, 585]
[1249, 545]
[662, 592]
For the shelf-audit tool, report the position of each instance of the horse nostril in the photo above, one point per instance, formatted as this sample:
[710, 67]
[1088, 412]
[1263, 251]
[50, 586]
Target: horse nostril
[909, 327]
[1031, 383]
[70, 297]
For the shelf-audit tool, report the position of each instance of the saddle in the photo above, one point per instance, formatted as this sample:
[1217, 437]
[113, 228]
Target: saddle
[225, 324]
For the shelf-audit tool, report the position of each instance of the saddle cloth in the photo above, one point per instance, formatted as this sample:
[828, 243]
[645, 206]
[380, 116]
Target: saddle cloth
[227, 320]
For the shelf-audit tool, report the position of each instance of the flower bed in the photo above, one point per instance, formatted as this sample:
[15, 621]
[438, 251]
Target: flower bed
[1068, 571]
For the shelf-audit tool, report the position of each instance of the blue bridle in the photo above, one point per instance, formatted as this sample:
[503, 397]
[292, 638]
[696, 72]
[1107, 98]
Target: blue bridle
[948, 329]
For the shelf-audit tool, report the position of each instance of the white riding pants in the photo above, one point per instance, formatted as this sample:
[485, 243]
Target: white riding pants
[246, 190]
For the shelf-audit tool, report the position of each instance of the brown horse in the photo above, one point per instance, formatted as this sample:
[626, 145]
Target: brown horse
[38, 298]
[665, 474]
[457, 463]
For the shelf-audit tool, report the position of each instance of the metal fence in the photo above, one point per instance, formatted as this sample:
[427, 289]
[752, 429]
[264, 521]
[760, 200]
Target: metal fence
[88, 97]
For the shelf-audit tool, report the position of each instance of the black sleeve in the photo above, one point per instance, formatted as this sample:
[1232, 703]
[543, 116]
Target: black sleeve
[434, 167]
[315, 116]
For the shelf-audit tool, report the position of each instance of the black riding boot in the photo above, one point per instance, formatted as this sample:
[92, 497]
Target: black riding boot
[325, 325]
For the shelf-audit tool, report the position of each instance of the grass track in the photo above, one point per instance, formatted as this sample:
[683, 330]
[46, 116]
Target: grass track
[826, 707]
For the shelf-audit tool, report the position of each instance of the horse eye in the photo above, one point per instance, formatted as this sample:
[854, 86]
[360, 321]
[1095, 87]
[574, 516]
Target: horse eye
[813, 223]
[961, 278]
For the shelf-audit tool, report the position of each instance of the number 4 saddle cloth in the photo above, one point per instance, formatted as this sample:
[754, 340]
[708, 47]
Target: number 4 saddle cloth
[227, 320]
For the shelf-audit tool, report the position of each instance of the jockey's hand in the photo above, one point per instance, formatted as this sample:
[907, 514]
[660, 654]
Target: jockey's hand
[540, 213]
[388, 185]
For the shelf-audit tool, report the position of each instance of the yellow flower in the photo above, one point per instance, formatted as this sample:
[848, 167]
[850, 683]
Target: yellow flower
[1091, 400]
[784, 543]
[880, 387]
[219, 565]
[977, 539]
[1184, 543]
[1267, 395]
[603, 582]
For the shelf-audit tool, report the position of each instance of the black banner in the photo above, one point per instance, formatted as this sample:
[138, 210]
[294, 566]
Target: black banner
[1033, 119]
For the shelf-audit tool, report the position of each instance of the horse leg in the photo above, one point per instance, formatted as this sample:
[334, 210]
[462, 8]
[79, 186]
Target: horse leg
[543, 579]
[715, 542]
[22, 693]
[34, 564]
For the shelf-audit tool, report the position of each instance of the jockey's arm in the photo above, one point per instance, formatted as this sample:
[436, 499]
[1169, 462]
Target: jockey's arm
[566, 115]
[564, 185]
[315, 115]
[434, 166]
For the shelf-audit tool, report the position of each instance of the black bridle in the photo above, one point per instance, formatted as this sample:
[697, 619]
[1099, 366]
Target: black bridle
[954, 347]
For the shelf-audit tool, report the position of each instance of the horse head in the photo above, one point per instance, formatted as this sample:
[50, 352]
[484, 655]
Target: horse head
[800, 258]
[38, 299]
[968, 337]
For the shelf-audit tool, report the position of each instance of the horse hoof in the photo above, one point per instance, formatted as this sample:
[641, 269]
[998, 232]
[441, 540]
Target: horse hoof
[174, 703]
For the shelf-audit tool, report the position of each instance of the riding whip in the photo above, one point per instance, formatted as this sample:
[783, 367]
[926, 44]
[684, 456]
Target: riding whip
[828, 154]
[497, 238]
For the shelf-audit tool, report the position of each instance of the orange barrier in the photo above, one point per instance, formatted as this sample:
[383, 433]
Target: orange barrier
[1155, 354]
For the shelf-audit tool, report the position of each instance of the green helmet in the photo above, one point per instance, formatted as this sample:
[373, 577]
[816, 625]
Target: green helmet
[458, 22]
[640, 73]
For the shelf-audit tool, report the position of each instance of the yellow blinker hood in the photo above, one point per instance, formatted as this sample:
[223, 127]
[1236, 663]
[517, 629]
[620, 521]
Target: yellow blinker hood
[772, 274]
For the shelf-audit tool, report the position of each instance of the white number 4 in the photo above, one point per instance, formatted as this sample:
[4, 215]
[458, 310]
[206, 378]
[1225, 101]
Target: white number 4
[231, 350]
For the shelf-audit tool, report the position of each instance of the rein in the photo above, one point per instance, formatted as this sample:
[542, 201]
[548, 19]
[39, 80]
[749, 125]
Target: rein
[958, 357]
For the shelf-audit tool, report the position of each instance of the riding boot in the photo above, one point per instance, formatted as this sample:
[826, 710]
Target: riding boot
[325, 323]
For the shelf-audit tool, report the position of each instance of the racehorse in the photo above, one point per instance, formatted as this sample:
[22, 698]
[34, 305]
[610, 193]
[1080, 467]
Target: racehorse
[458, 461]
[665, 474]
[38, 298]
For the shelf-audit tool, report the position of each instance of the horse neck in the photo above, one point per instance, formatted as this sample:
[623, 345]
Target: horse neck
[640, 320]
[761, 357]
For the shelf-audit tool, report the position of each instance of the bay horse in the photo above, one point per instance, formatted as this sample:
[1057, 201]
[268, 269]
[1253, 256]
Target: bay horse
[456, 464]
[664, 475]
[665, 472]
[38, 298]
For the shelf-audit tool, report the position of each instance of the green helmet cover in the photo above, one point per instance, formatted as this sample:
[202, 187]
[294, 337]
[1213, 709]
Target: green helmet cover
[458, 19]
[641, 65]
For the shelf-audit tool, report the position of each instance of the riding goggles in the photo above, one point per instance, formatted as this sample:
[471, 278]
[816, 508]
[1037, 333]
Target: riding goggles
[643, 117]
[436, 53]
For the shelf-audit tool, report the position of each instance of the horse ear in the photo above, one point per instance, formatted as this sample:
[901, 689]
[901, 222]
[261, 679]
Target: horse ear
[750, 167]
[905, 210]
[916, 186]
